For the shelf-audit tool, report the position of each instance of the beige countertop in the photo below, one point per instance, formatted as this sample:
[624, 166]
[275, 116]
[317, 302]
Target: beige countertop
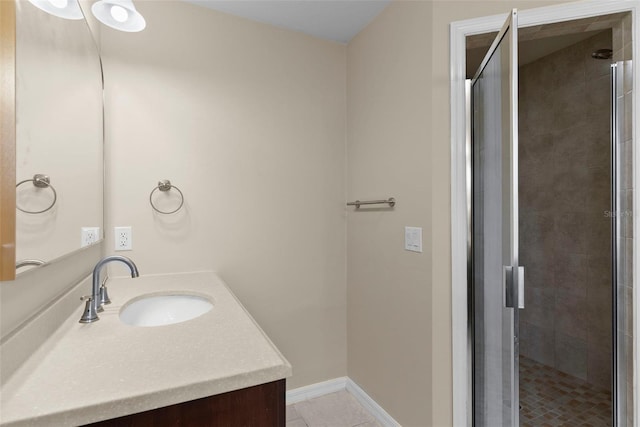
[107, 369]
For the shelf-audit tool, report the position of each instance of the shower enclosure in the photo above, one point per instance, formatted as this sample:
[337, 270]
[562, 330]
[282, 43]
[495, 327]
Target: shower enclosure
[589, 222]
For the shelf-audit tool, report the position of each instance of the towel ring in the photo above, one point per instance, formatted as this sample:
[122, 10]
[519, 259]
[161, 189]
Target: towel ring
[165, 185]
[41, 181]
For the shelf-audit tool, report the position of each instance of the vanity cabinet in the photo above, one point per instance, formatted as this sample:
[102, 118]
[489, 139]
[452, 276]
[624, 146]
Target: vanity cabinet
[218, 369]
[259, 406]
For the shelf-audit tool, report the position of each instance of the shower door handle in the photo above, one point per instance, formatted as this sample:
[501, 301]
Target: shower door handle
[520, 280]
[514, 279]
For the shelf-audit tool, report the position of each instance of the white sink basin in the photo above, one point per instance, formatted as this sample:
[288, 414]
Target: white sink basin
[159, 310]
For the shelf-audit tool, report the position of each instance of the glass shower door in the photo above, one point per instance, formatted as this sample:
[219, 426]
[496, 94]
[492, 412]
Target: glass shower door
[495, 276]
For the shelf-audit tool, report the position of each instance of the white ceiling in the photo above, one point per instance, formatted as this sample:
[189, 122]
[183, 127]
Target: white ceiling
[337, 20]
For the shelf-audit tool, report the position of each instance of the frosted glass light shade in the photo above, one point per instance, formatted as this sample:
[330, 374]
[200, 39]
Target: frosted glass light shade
[119, 14]
[67, 9]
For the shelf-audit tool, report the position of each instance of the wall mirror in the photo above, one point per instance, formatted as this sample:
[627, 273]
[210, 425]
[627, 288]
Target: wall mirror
[58, 137]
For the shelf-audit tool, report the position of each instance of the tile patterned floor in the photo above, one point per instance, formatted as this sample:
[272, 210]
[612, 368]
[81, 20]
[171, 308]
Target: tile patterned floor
[552, 398]
[339, 409]
[549, 398]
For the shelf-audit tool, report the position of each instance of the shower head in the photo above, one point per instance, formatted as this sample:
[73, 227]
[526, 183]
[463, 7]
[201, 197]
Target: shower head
[602, 54]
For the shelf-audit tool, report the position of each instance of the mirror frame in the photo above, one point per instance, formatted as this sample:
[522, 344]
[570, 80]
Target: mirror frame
[7, 140]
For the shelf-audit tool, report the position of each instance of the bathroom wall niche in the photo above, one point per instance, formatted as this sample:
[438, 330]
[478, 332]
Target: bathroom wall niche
[59, 133]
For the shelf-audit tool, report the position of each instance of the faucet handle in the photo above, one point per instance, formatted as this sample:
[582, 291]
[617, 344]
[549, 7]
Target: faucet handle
[104, 296]
[89, 314]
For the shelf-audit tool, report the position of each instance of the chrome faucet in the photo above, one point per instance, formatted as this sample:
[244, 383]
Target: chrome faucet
[99, 294]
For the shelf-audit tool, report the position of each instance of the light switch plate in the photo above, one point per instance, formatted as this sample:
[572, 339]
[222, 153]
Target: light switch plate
[413, 239]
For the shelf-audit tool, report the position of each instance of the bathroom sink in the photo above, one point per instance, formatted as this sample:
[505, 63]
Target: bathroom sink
[160, 310]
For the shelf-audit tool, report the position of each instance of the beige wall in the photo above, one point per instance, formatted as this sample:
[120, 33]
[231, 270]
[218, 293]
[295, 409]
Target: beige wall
[249, 121]
[95, 26]
[389, 289]
[399, 303]
[399, 307]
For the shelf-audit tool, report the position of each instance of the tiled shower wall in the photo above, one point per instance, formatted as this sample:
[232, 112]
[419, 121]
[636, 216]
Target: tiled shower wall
[565, 242]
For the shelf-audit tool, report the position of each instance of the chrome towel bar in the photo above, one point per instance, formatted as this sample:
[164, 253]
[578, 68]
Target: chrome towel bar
[390, 201]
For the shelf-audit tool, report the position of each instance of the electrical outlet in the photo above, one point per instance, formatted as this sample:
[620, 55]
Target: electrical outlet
[89, 236]
[123, 239]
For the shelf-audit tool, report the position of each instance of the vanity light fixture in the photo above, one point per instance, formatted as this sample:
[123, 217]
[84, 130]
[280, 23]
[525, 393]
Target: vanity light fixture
[68, 9]
[118, 14]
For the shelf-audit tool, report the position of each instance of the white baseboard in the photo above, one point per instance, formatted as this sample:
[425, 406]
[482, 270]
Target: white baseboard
[342, 383]
[371, 405]
[316, 390]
